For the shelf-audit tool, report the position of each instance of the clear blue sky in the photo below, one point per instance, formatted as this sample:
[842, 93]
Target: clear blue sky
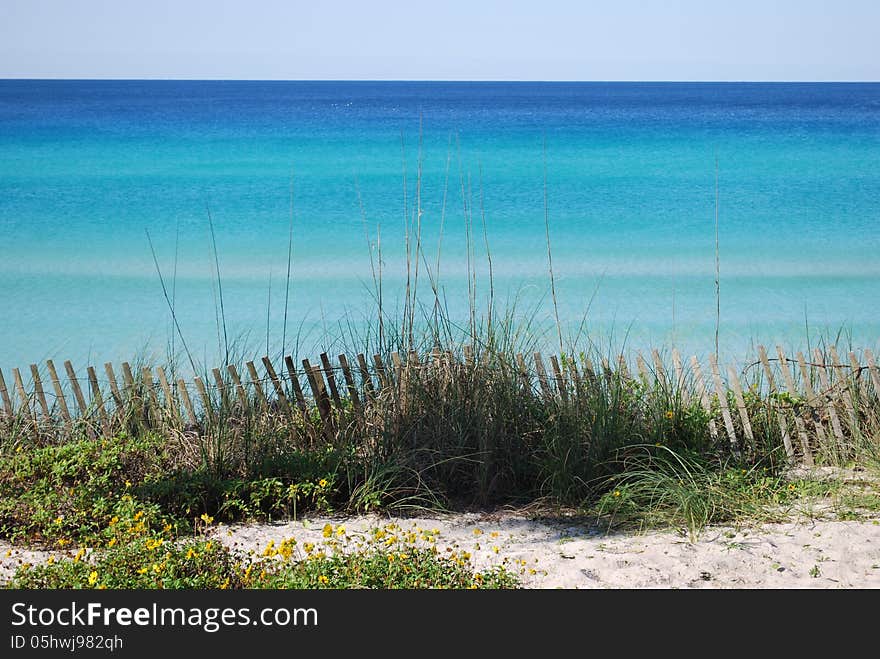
[442, 39]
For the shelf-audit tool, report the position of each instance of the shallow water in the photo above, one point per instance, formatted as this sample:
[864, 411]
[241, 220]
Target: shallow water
[88, 167]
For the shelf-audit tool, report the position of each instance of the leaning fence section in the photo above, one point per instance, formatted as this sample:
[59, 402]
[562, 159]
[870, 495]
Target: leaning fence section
[812, 400]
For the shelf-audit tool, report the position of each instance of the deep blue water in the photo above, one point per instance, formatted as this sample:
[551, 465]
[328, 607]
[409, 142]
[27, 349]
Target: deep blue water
[87, 167]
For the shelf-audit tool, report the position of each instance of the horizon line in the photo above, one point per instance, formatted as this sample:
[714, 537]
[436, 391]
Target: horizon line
[439, 80]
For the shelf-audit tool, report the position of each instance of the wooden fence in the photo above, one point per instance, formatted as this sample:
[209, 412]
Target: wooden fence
[812, 398]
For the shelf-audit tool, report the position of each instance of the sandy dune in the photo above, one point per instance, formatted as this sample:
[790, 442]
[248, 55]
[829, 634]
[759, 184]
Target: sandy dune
[569, 553]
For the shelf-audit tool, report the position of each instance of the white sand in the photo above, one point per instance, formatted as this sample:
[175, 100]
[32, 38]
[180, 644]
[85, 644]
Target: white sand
[568, 553]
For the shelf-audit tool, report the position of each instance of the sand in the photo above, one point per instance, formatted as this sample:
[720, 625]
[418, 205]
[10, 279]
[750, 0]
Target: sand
[570, 553]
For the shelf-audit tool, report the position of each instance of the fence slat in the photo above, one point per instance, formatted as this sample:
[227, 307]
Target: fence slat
[19, 385]
[114, 386]
[316, 382]
[255, 380]
[560, 380]
[152, 396]
[872, 369]
[206, 399]
[350, 385]
[41, 395]
[297, 389]
[780, 419]
[798, 421]
[4, 394]
[721, 393]
[704, 396]
[99, 401]
[659, 368]
[741, 407]
[77, 392]
[380, 372]
[128, 386]
[366, 378]
[844, 383]
[857, 369]
[239, 389]
[398, 369]
[170, 402]
[331, 381]
[276, 383]
[225, 400]
[59, 392]
[825, 383]
[812, 400]
[187, 402]
[679, 377]
[542, 376]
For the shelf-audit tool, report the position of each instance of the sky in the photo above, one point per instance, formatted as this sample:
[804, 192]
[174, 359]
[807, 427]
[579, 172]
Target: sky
[723, 40]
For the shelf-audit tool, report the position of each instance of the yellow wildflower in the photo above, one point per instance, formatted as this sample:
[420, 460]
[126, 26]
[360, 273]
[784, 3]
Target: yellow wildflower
[93, 577]
[669, 414]
[138, 515]
[322, 482]
[190, 554]
[143, 570]
[322, 579]
[113, 520]
[617, 493]
[206, 518]
[208, 546]
[79, 555]
[111, 542]
[327, 530]
[50, 560]
[478, 532]
[127, 483]
[59, 519]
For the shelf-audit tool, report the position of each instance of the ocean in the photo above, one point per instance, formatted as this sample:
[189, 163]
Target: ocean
[629, 180]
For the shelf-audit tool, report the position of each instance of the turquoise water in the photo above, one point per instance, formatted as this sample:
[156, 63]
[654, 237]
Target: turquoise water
[87, 167]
